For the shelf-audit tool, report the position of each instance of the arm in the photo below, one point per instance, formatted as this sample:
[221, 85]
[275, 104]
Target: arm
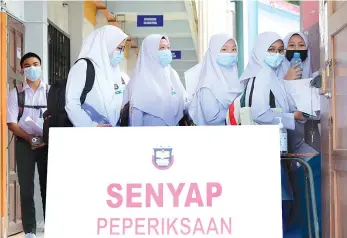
[262, 113]
[75, 84]
[209, 106]
[12, 114]
[136, 117]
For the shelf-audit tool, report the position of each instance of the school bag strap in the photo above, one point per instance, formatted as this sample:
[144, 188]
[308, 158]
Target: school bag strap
[272, 101]
[90, 78]
[20, 100]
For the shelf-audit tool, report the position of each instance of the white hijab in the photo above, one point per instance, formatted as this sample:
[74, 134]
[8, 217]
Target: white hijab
[191, 77]
[97, 47]
[223, 82]
[266, 78]
[283, 69]
[151, 87]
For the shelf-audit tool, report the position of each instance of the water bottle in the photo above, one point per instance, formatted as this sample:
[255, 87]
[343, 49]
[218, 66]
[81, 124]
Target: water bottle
[296, 60]
[283, 137]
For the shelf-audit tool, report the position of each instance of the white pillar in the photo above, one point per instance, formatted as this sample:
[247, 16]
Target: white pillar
[36, 41]
[36, 26]
[76, 23]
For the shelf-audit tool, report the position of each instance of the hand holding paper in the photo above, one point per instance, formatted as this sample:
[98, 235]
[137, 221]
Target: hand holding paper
[306, 97]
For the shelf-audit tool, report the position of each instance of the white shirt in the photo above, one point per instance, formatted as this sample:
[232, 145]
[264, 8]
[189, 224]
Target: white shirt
[37, 98]
[75, 84]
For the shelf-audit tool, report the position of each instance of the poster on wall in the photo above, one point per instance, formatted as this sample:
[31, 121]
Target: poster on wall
[164, 181]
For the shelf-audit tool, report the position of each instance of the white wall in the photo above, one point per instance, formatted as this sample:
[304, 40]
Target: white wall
[15, 8]
[87, 27]
[59, 15]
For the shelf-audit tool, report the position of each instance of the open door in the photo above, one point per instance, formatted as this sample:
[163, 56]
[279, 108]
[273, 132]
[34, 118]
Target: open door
[15, 49]
[333, 27]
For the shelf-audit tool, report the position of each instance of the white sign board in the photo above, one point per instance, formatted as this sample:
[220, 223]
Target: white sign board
[164, 181]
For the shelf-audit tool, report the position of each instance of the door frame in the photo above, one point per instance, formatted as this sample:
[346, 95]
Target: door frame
[3, 126]
[332, 24]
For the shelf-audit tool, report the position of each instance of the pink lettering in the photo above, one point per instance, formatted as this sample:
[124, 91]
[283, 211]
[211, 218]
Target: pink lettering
[194, 188]
[212, 226]
[113, 194]
[153, 226]
[213, 190]
[113, 224]
[127, 224]
[185, 224]
[175, 193]
[226, 225]
[198, 227]
[151, 194]
[131, 195]
[171, 226]
[138, 225]
[102, 223]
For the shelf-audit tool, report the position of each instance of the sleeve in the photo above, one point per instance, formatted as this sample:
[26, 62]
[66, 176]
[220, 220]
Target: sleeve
[209, 106]
[12, 107]
[75, 84]
[262, 113]
[136, 117]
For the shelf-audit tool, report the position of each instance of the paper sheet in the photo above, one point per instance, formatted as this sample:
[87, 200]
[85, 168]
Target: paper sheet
[306, 98]
[37, 128]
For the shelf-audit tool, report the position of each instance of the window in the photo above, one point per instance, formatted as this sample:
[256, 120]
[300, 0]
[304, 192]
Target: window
[58, 54]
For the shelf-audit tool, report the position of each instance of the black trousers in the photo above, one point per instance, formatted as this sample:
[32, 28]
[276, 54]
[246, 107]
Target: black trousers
[26, 159]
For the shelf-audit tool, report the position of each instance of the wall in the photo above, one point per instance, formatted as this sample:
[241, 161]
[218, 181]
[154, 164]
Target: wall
[273, 19]
[59, 15]
[15, 8]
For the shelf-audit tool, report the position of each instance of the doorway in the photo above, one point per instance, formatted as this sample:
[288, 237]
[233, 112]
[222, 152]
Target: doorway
[334, 112]
[15, 49]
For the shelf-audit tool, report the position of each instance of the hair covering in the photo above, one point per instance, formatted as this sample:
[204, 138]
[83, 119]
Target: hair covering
[97, 47]
[223, 82]
[285, 66]
[191, 77]
[266, 78]
[152, 85]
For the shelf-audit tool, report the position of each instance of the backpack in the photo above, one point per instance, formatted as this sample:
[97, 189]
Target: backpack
[21, 101]
[239, 113]
[55, 115]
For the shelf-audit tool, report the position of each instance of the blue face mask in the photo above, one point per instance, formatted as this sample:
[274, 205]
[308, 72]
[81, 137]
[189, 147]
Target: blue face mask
[227, 60]
[32, 73]
[115, 58]
[165, 57]
[273, 60]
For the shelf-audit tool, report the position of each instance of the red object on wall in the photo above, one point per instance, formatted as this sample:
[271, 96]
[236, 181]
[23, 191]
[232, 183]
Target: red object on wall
[309, 13]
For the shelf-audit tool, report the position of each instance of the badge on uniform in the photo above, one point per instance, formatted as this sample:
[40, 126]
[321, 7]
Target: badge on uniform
[172, 91]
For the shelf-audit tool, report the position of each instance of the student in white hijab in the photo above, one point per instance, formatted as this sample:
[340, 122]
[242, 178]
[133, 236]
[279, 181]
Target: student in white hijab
[157, 96]
[296, 42]
[218, 84]
[104, 47]
[267, 56]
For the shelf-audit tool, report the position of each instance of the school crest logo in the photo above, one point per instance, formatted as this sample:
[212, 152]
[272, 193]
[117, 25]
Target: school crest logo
[162, 158]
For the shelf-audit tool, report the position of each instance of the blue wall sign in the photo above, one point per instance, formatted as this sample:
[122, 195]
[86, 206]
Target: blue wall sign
[150, 20]
[176, 54]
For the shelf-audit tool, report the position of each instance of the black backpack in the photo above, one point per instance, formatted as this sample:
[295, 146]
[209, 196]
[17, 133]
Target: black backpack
[55, 115]
[21, 101]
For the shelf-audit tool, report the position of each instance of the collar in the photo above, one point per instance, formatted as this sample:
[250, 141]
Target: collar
[26, 85]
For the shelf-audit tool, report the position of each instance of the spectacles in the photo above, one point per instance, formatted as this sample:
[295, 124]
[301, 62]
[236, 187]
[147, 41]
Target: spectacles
[273, 51]
[121, 48]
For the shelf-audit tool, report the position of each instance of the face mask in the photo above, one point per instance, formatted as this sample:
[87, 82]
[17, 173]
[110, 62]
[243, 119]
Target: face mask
[290, 54]
[115, 58]
[122, 87]
[227, 59]
[273, 60]
[32, 73]
[165, 57]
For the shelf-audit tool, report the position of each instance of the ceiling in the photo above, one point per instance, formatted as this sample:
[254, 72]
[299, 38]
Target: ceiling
[179, 26]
